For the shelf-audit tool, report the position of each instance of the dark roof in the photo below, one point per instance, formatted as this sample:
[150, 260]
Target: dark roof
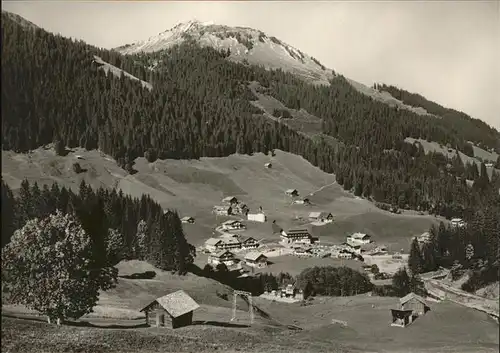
[176, 304]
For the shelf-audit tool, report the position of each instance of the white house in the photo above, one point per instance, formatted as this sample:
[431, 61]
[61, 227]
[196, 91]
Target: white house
[359, 238]
[457, 222]
[225, 257]
[256, 259]
[233, 225]
[257, 217]
[323, 217]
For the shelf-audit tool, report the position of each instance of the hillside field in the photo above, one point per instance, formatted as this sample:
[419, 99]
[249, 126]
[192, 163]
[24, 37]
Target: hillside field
[193, 187]
[447, 327]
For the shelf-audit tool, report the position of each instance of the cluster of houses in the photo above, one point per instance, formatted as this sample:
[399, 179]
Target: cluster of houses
[231, 206]
[304, 244]
[253, 259]
[289, 291]
[231, 242]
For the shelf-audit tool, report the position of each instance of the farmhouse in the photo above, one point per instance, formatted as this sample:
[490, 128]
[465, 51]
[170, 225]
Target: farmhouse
[289, 291]
[233, 225]
[249, 243]
[256, 259]
[217, 244]
[172, 310]
[240, 208]
[222, 257]
[230, 200]
[257, 217]
[352, 248]
[457, 223]
[187, 219]
[297, 235]
[292, 192]
[268, 165]
[306, 251]
[423, 238]
[302, 202]
[415, 303]
[322, 217]
[223, 210]
[359, 238]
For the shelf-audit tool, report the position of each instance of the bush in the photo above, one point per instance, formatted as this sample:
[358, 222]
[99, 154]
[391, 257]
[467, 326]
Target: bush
[77, 168]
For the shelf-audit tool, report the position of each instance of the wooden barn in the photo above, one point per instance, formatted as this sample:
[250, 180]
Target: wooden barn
[172, 310]
[415, 303]
[401, 318]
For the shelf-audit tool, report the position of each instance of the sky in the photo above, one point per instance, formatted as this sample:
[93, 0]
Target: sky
[447, 51]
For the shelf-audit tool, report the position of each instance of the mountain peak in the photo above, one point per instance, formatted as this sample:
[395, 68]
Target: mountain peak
[245, 44]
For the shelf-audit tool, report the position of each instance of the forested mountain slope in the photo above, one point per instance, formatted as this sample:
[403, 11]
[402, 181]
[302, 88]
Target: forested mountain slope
[200, 105]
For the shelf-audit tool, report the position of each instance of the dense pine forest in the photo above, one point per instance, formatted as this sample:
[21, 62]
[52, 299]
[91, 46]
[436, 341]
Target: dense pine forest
[53, 90]
[472, 249]
[140, 226]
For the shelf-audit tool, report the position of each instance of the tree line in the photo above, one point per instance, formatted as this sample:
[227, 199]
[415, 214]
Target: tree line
[472, 249]
[145, 231]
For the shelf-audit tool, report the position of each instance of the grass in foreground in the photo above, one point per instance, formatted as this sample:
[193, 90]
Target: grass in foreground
[25, 336]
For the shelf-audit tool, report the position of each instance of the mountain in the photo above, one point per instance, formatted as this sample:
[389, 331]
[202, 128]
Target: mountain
[184, 100]
[254, 47]
[245, 44]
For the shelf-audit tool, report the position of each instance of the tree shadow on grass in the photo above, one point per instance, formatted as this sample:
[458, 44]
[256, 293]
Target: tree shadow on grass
[220, 324]
[104, 326]
[72, 323]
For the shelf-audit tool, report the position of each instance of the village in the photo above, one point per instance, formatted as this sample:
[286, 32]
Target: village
[246, 255]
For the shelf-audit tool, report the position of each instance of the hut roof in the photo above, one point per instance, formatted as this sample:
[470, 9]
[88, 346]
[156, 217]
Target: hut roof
[254, 256]
[176, 304]
[221, 253]
[213, 241]
[412, 295]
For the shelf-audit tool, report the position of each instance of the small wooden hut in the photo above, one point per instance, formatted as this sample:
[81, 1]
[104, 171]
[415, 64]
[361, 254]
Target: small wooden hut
[415, 303]
[172, 310]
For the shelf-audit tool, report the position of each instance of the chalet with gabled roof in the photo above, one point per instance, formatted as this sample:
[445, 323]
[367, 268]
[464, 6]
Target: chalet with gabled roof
[249, 243]
[256, 259]
[233, 225]
[359, 238]
[323, 217]
[225, 257]
[223, 210]
[292, 192]
[187, 219]
[172, 310]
